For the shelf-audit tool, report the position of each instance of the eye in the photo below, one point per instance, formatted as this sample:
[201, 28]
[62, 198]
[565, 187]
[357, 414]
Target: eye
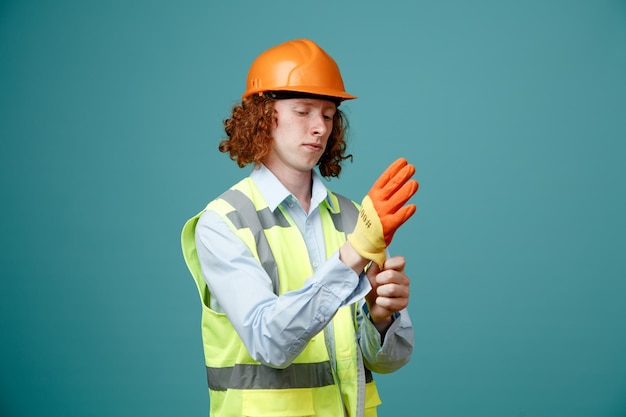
[328, 117]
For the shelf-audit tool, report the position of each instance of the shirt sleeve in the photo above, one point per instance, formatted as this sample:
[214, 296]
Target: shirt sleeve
[274, 329]
[388, 353]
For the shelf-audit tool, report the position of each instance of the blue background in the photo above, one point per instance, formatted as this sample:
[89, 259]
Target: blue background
[514, 114]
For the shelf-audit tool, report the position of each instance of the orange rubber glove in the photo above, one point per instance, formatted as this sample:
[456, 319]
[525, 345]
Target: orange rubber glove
[383, 211]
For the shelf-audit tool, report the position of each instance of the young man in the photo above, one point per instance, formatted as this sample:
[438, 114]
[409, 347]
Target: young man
[300, 302]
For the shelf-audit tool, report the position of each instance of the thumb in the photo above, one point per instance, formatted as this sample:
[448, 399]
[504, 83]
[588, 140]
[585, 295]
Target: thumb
[371, 273]
[393, 222]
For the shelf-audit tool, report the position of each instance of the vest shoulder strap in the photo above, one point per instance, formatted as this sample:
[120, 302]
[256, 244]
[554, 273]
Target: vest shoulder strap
[346, 216]
[246, 216]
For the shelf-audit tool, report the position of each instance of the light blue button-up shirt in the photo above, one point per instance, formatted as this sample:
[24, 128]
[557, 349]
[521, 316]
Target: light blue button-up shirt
[275, 329]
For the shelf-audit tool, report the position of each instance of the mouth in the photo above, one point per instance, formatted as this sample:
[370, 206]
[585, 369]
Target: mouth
[315, 147]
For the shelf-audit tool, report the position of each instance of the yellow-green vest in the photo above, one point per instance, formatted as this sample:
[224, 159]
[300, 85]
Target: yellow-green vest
[311, 385]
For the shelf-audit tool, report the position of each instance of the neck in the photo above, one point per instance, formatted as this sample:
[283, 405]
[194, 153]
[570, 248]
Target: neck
[298, 183]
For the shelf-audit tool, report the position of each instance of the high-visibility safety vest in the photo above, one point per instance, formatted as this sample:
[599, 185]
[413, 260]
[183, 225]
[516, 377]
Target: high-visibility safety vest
[313, 384]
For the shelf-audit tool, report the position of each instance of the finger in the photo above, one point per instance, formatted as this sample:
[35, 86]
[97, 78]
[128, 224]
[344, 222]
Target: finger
[389, 173]
[401, 216]
[393, 290]
[401, 196]
[391, 223]
[392, 304]
[392, 277]
[372, 273]
[399, 179]
[373, 269]
[397, 263]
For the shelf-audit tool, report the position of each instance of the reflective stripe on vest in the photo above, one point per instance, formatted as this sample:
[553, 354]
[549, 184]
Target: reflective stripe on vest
[251, 376]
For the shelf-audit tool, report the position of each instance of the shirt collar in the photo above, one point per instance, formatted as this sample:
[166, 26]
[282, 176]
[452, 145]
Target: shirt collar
[275, 192]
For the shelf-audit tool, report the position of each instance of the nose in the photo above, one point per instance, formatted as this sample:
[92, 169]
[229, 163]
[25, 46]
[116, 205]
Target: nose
[319, 126]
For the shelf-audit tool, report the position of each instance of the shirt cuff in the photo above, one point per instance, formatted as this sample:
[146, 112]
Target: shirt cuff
[342, 281]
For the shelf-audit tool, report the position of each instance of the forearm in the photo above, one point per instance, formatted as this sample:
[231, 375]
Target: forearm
[275, 329]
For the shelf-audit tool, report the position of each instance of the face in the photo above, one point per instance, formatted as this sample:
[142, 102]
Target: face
[300, 132]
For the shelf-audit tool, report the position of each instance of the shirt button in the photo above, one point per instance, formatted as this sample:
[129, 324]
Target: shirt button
[321, 319]
[316, 264]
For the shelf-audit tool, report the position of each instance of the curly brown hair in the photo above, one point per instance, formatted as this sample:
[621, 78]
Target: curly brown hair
[250, 140]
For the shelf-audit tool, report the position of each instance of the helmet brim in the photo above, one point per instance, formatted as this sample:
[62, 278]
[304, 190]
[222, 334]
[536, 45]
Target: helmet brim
[312, 92]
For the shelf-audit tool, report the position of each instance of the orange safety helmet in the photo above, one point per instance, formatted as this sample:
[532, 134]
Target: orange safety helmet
[298, 66]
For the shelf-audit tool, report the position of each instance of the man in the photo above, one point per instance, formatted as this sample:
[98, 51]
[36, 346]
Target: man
[292, 324]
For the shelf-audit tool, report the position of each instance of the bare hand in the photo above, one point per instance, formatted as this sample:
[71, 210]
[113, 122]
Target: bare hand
[390, 290]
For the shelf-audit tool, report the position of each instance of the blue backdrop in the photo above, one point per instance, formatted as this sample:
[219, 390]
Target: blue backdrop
[514, 114]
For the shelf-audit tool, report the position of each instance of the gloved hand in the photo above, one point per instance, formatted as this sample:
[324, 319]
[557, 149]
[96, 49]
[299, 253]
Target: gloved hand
[383, 211]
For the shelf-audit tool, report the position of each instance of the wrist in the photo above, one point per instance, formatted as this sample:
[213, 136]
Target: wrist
[382, 324]
[351, 258]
